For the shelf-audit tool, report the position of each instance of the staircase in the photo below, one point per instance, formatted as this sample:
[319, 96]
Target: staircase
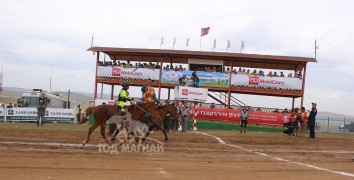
[222, 98]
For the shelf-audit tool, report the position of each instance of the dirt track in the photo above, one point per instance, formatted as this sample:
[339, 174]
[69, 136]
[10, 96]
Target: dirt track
[24, 154]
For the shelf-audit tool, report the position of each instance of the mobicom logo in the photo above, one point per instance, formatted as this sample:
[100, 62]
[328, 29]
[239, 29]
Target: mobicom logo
[172, 75]
[196, 93]
[116, 71]
[254, 80]
[184, 92]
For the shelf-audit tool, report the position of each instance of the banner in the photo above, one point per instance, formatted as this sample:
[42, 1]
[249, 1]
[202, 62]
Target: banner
[2, 114]
[235, 115]
[210, 79]
[137, 73]
[30, 114]
[190, 93]
[264, 81]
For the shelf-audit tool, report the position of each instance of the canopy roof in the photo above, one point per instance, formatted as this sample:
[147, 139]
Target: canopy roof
[181, 57]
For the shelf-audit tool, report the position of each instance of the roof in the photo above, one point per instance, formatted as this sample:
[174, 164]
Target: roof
[182, 56]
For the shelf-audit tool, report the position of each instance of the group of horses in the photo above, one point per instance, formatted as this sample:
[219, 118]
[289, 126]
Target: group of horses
[138, 112]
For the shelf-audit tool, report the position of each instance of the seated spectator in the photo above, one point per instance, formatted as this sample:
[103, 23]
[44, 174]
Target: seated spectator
[296, 75]
[234, 71]
[182, 80]
[180, 68]
[10, 105]
[171, 67]
[270, 74]
[227, 70]
[239, 71]
[184, 69]
[254, 73]
[275, 74]
[243, 71]
[281, 74]
[300, 75]
[214, 69]
[290, 75]
[248, 72]
[167, 67]
[115, 63]
[176, 68]
[212, 106]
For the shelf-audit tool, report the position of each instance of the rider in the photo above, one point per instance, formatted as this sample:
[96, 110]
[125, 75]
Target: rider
[148, 95]
[123, 97]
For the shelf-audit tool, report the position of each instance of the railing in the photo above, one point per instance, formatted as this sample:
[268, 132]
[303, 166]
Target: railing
[335, 125]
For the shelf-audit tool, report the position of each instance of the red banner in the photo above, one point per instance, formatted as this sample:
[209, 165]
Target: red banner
[235, 115]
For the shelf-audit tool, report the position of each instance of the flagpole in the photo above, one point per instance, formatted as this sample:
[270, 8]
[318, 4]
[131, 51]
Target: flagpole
[315, 48]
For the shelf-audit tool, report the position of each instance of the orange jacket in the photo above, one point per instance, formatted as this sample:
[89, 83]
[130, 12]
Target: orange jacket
[305, 117]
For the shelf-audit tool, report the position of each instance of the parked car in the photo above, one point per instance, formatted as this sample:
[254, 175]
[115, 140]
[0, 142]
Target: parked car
[347, 127]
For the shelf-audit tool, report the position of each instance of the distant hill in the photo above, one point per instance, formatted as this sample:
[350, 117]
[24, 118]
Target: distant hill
[324, 115]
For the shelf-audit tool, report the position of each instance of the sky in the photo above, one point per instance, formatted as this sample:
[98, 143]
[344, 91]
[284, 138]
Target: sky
[42, 40]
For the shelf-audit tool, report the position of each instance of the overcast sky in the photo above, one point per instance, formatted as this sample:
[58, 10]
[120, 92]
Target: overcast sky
[38, 34]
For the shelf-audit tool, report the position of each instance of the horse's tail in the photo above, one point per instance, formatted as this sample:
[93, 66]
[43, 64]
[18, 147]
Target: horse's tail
[89, 111]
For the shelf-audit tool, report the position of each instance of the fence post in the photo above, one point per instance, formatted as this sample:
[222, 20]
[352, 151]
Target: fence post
[328, 125]
[343, 126]
[5, 113]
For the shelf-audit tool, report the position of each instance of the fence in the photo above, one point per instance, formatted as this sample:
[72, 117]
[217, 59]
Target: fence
[334, 125]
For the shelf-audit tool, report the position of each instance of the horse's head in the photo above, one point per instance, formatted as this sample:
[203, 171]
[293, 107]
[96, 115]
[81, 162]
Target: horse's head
[171, 109]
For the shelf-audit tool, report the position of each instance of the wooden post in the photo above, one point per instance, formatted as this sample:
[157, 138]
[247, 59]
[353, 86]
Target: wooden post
[95, 92]
[303, 86]
[160, 77]
[230, 78]
[112, 91]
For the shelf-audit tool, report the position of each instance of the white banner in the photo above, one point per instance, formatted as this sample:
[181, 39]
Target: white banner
[138, 73]
[2, 114]
[190, 93]
[276, 82]
[101, 101]
[30, 114]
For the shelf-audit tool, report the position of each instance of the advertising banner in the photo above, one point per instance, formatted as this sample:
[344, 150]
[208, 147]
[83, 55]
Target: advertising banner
[235, 115]
[2, 114]
[137, 73]
[275, 82]
[30, 114]
[107, 101]
[190, 93]
[213, 79]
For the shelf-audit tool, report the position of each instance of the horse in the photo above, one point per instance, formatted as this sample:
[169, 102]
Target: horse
[163, 111]
[104, 112]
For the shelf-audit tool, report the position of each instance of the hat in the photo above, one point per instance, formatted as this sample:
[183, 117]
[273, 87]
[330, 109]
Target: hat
[125, 84]
[314, 104]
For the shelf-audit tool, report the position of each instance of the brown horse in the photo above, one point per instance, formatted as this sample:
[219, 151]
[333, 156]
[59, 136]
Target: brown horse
[104, 112]
[163, 111]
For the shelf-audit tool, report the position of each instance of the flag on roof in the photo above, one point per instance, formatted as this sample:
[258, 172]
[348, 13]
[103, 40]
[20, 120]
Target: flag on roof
[205, 31]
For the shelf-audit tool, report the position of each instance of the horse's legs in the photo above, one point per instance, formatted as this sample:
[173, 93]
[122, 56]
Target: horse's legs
[92, 128]
[163, 130]
[147, 133]
[103, 132]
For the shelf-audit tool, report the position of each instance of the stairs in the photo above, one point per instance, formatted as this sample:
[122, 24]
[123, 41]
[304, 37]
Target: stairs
[222, 98]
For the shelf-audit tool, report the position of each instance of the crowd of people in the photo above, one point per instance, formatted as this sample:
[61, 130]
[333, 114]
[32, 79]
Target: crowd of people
[297, 74]
[127, 64]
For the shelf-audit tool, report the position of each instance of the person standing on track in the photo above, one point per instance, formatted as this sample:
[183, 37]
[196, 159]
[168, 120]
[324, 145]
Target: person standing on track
[303, 122]
[78, 113]
[312, 120]
[244, 117]
[41, 112]
[185, 116]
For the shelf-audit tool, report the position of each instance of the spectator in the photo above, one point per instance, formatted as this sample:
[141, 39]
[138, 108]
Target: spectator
[10, 105]
[185, 116]
[270, 74]
[275, 74]
[254, 73]
[212, 106]
[183, 80]
[303, 122]
[290, 75]
[243, 71]
[312, 120]
[248, 72]
[244, 117]
[288, 125]
[175, 121]
[78, 113]
[297, 120]
[41, 112]
[227, 71]
[195, 79]
[281, 74]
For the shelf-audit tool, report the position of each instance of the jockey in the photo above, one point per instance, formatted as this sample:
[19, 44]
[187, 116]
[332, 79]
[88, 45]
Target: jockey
[148, 95]
[123, 97]
[148, 91]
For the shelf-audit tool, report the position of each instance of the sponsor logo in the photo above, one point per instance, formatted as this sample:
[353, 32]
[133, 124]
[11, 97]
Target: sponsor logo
[253, 80]
[196, 93]
[184, 92]
[271, 82]
[116, 71]
[172, 75]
